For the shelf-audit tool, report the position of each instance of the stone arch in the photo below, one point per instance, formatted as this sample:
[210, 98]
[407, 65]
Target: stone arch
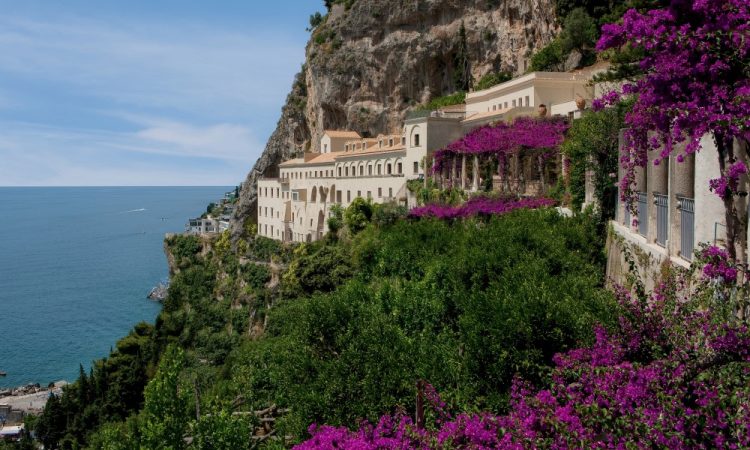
[313, 194]
[322, 194]
[398, 165]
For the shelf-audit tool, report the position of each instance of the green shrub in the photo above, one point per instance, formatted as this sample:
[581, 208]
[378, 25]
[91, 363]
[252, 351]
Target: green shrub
[548, 58]
[336, 220]
[184, 246]
[358, 214]
[388, 213]
[441, 102]
[255, 275]
[492, 79]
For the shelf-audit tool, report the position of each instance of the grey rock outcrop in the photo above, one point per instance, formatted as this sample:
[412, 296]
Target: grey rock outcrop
[367, 66]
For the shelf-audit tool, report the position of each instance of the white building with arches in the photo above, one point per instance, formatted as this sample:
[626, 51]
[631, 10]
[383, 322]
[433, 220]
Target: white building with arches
[295, 207]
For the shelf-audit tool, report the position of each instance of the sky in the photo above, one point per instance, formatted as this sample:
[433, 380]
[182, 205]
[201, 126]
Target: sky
[143, 92]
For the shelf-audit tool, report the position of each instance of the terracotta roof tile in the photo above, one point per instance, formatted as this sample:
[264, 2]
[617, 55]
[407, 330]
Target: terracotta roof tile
[342, 134]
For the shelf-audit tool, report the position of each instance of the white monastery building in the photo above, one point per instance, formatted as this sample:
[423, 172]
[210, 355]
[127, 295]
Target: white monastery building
[295, 207]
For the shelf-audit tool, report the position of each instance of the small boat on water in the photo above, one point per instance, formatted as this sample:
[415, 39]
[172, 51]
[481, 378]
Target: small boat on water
[2, 374]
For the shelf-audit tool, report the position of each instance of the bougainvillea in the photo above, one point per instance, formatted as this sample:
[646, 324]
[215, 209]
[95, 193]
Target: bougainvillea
[504, 139]
[479, 206]
[727, 185]
[695, 83]
[717, 265]
[673, 375]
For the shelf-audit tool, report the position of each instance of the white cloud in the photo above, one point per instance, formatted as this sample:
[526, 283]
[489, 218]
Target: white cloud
[109, 103]
[167, 153]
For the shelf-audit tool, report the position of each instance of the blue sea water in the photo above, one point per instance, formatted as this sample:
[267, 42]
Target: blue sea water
[76, 265]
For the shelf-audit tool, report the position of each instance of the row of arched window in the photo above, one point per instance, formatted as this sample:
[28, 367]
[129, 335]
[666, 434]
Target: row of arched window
[363, 169]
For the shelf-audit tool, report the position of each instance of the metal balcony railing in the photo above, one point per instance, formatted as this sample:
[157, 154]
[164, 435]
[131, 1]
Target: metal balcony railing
[662, 217]
[687, 226]
[642, 214]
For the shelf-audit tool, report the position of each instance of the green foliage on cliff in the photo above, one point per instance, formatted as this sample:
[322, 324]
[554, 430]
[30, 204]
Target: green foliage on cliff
[350, 326]
[441, 102]
[492, 79]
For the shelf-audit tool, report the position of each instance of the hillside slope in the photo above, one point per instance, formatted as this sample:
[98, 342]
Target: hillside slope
[366, 66]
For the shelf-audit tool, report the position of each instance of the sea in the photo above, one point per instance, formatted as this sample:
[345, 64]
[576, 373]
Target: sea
[76, 265]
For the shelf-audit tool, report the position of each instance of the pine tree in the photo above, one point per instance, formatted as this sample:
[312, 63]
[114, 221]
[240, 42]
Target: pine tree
[462, 80]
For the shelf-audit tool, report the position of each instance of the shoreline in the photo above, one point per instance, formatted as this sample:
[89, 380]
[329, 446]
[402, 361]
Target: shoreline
[30, 398]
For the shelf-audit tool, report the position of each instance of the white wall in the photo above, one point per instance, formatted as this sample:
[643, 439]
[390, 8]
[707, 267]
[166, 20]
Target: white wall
[709, 208]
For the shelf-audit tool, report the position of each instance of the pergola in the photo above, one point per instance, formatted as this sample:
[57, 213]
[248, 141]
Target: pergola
[521, 148]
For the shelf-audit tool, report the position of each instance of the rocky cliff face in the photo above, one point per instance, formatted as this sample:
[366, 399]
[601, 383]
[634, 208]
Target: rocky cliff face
[366, 66]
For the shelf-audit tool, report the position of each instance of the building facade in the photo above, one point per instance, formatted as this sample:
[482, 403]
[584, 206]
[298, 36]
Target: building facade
[675, 210]
[295, 207]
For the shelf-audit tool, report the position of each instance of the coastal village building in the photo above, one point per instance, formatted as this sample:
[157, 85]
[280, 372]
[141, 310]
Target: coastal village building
[211, 224]
[295, 207]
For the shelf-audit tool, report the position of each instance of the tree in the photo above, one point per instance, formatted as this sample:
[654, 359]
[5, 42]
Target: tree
[315, 20]
[579, 33]
[462, 69]
[695, 83]
[336, 221]
[592, 144]
[358, 214]
[165, 413]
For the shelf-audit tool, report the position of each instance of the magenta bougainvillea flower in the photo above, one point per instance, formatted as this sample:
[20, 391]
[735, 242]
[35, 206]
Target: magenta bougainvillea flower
[478, 206]
[695, 83]
[505, 139]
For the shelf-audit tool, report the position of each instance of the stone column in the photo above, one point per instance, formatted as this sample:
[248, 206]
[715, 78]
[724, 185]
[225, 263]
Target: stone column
[454, 175]
[463, 171]
[475, 175]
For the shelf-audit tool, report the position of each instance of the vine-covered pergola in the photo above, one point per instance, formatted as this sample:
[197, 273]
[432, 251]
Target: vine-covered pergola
[521, 150]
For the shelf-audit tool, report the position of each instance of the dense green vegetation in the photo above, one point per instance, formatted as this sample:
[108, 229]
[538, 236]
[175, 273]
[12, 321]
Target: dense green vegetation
[342, 329]
[592, 145]
[581, 22]
[492, 79]
[441, 102]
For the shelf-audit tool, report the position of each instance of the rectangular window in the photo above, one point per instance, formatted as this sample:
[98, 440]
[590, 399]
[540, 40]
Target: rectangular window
[359, 193]
[399, 168]
[514, 103]
[380, 192]
[369, 194]
[528, 101]
[416, 140]
[416, 167]
[338, 196]
[348, 196]
[369, 170]
[390, 192]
